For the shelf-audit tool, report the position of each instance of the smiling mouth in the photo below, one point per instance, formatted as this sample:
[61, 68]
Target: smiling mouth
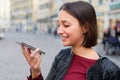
[64, 37]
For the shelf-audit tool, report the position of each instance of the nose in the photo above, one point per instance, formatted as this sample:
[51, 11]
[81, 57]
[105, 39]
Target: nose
[60, 30]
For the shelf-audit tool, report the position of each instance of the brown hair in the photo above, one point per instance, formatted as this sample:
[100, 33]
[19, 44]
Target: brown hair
[85, 14]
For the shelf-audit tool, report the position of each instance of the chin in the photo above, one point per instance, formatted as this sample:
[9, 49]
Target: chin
[65, 44]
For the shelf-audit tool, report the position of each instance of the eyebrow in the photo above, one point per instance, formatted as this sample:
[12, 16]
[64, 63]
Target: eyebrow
[64, 21]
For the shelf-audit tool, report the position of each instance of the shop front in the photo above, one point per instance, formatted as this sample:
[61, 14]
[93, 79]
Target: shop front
[114, 14]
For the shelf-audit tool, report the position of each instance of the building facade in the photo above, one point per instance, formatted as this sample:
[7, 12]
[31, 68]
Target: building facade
[48, 11]
[101, 8]
[23, 14]
[44, 14]
[114, 13]
[5, 15]
[108, 14]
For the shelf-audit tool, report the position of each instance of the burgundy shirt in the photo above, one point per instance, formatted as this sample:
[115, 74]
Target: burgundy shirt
[77, 69]
[37, 78]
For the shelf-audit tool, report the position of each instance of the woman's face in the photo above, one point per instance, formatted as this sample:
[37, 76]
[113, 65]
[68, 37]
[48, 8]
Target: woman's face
[69, 29]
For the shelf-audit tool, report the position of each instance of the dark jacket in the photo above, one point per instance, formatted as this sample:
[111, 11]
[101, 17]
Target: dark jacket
[103, 69]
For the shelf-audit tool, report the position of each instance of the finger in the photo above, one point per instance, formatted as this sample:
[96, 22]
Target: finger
[29, 51]
[25, 53]
[39, 59]
[37, 65]
[23, 50]
[35, 62]
[34, 56]
[37, 51]
[37, 56]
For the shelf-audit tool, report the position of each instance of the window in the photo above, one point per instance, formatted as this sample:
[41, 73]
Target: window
[46, 5]
[100, 1]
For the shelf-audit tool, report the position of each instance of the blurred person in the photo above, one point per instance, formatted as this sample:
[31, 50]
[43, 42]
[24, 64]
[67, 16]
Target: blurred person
[104, 39]
[112, 40]
[49, 30]
[77, 27]
[118, 33]
[35, 29]
[55, 32]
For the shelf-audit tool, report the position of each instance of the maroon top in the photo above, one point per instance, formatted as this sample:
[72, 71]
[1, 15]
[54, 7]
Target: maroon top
[37, 78]
[77, 69]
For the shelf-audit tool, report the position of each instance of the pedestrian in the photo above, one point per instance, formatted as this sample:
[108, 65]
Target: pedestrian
[112, 41]
[77, 27]
[104, 39]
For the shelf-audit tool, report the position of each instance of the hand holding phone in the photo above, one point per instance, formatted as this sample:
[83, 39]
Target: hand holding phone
[29, 46]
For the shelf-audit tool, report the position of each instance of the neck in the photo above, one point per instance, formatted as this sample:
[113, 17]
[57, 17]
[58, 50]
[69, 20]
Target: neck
[85, 52]
[80, 50]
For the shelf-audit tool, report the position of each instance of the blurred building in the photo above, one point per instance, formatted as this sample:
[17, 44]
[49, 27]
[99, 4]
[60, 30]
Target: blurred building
[24, 14]
[44, 17]
[56, 4]
[114, 13]
[48, 10]
[108, 13]
[5, 14]
[101, 8]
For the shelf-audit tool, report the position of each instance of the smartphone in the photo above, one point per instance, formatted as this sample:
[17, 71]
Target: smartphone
[29, 46]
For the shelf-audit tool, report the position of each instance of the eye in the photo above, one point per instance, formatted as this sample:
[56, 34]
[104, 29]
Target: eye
[66, 25]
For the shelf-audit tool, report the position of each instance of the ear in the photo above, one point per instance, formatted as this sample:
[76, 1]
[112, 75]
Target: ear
[85, 28]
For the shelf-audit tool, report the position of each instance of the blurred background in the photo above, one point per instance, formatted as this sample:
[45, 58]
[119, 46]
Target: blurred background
[34, 22]
[39, 16]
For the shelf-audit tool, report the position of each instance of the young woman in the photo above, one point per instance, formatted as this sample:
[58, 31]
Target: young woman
[77, 27]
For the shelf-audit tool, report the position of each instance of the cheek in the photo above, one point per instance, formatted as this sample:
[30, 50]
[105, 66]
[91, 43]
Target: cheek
[77, 34]
[76, 31]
